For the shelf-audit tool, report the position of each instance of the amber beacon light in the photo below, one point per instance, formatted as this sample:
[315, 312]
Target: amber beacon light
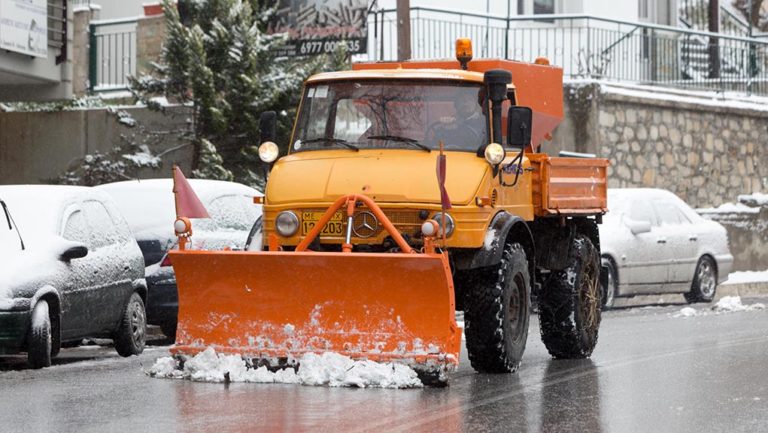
[463, 51]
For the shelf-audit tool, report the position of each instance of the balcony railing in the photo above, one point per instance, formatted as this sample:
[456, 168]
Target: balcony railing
[112, 54]
[586, 47]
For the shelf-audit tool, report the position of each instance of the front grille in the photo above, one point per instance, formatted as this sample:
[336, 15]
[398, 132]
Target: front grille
[406, 221]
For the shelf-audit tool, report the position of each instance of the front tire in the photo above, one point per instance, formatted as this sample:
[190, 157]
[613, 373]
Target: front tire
[704, 282]
[570, 304]
[39, 343]
[131, 334]
[497, 312]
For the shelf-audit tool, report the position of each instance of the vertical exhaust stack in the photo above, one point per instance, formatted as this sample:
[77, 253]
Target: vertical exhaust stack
[496, 81]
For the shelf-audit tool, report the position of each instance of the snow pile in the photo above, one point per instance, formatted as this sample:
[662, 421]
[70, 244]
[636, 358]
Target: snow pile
[729, 304]
[686, 312]
[726, 208]
[328, 369]
[754, 199]
[744, 277]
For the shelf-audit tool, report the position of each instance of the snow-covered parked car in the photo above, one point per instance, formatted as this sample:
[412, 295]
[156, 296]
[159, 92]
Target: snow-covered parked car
[69, 269]
[652, 242]
[148, 205]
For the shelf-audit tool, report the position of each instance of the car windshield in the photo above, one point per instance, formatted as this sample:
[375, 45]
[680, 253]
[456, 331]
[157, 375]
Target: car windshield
[374, 114]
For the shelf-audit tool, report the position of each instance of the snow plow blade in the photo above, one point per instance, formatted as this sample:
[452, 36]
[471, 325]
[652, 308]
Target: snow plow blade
[273, 307]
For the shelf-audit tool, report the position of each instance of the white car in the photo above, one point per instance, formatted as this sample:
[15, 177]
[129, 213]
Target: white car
[148, 206]
[652, 242]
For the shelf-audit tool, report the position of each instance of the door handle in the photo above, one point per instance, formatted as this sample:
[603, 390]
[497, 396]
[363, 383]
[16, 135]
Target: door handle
[661, 240]
[693, 238]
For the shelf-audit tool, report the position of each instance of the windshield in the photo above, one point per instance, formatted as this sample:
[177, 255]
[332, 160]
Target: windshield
[374, 114]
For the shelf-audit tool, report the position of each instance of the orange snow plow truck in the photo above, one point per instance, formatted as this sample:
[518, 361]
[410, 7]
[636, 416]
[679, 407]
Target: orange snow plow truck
[411, 190]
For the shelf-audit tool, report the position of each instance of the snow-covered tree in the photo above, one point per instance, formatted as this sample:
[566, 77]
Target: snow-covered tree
[219, 59]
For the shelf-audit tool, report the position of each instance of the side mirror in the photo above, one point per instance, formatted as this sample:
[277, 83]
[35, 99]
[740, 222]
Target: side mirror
[74, 252]
[637, 227]
[268, 126]
[519, 126]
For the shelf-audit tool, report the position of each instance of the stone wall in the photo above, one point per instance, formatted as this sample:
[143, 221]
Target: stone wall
[705, 151]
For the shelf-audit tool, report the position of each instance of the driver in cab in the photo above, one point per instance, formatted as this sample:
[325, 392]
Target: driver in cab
[467, 128]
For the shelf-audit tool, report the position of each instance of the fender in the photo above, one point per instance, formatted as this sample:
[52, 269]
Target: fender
[51, 293]
[503, 226]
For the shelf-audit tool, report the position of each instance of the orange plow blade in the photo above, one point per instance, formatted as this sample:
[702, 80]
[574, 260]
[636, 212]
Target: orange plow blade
[276, 306]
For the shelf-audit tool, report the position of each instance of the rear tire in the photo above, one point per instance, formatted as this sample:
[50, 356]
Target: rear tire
[131, 334]
[609, 283]
[497, 312]
[39, 344]
[570, 303]
[704, 282]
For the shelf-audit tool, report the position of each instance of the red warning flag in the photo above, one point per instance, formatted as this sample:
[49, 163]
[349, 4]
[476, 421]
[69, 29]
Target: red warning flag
[187, 203]
[441, 170]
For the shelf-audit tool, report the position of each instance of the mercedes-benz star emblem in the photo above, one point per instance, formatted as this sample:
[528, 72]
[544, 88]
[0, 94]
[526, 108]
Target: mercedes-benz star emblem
[365, 224]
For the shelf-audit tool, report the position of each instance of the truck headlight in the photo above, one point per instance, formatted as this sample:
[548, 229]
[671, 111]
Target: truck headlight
[287, 223]
[494, 154]
[449, 223]
[268, 151]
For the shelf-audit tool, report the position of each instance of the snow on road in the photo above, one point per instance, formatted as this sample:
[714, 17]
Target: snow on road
[328, 369]
[726, 304]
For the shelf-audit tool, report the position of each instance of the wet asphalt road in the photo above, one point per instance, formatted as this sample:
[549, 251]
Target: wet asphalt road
[650, 372]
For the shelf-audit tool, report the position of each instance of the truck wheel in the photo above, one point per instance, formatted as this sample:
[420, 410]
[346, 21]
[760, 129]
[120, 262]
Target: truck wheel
[704, 282]
[39, 344]
[497, 311]
[130, 336]
[609, 283]
[570, 303]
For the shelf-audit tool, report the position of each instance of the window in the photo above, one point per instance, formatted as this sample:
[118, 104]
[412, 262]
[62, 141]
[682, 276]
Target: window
[541, 7]
[642, 212]
[670, 214]
[102, 229]
[403, 114]
[76, 227]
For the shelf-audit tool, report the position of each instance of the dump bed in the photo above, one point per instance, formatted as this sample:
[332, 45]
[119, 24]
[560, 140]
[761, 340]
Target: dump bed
[568, 186]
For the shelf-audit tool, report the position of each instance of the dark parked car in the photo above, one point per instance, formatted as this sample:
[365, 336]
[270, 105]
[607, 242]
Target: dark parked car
[652, 242]
[70, 269]
[148, 206]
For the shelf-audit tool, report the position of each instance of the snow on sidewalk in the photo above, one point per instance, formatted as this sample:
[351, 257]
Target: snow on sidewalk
[746, 277]
[328, 369]
[726, 304]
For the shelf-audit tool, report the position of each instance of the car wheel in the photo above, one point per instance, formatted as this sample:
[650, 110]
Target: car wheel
[609, 283]
[39, 344]
[131, 334]
[497, 313]
[704, 282]
[570, 304]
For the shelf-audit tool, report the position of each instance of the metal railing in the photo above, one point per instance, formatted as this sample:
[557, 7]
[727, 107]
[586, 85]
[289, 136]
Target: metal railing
[112, 55]
[586, 47]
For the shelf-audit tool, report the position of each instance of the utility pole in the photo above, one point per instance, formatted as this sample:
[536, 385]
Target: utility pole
[714, 43]
[403, 30]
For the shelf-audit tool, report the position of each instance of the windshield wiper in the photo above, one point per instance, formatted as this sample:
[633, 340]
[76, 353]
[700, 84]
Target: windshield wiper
[341, 141]
[407, 140]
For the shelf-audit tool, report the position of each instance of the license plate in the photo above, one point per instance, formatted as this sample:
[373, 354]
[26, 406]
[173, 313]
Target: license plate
[334, 227]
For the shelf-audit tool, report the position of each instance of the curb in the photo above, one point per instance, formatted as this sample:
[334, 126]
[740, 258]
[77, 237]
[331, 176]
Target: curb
[745, 290]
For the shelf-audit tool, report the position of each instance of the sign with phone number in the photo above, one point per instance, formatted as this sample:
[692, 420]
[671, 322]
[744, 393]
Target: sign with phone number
[311, 47]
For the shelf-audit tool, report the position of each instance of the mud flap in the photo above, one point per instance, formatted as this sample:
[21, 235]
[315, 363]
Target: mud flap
[273, 307]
